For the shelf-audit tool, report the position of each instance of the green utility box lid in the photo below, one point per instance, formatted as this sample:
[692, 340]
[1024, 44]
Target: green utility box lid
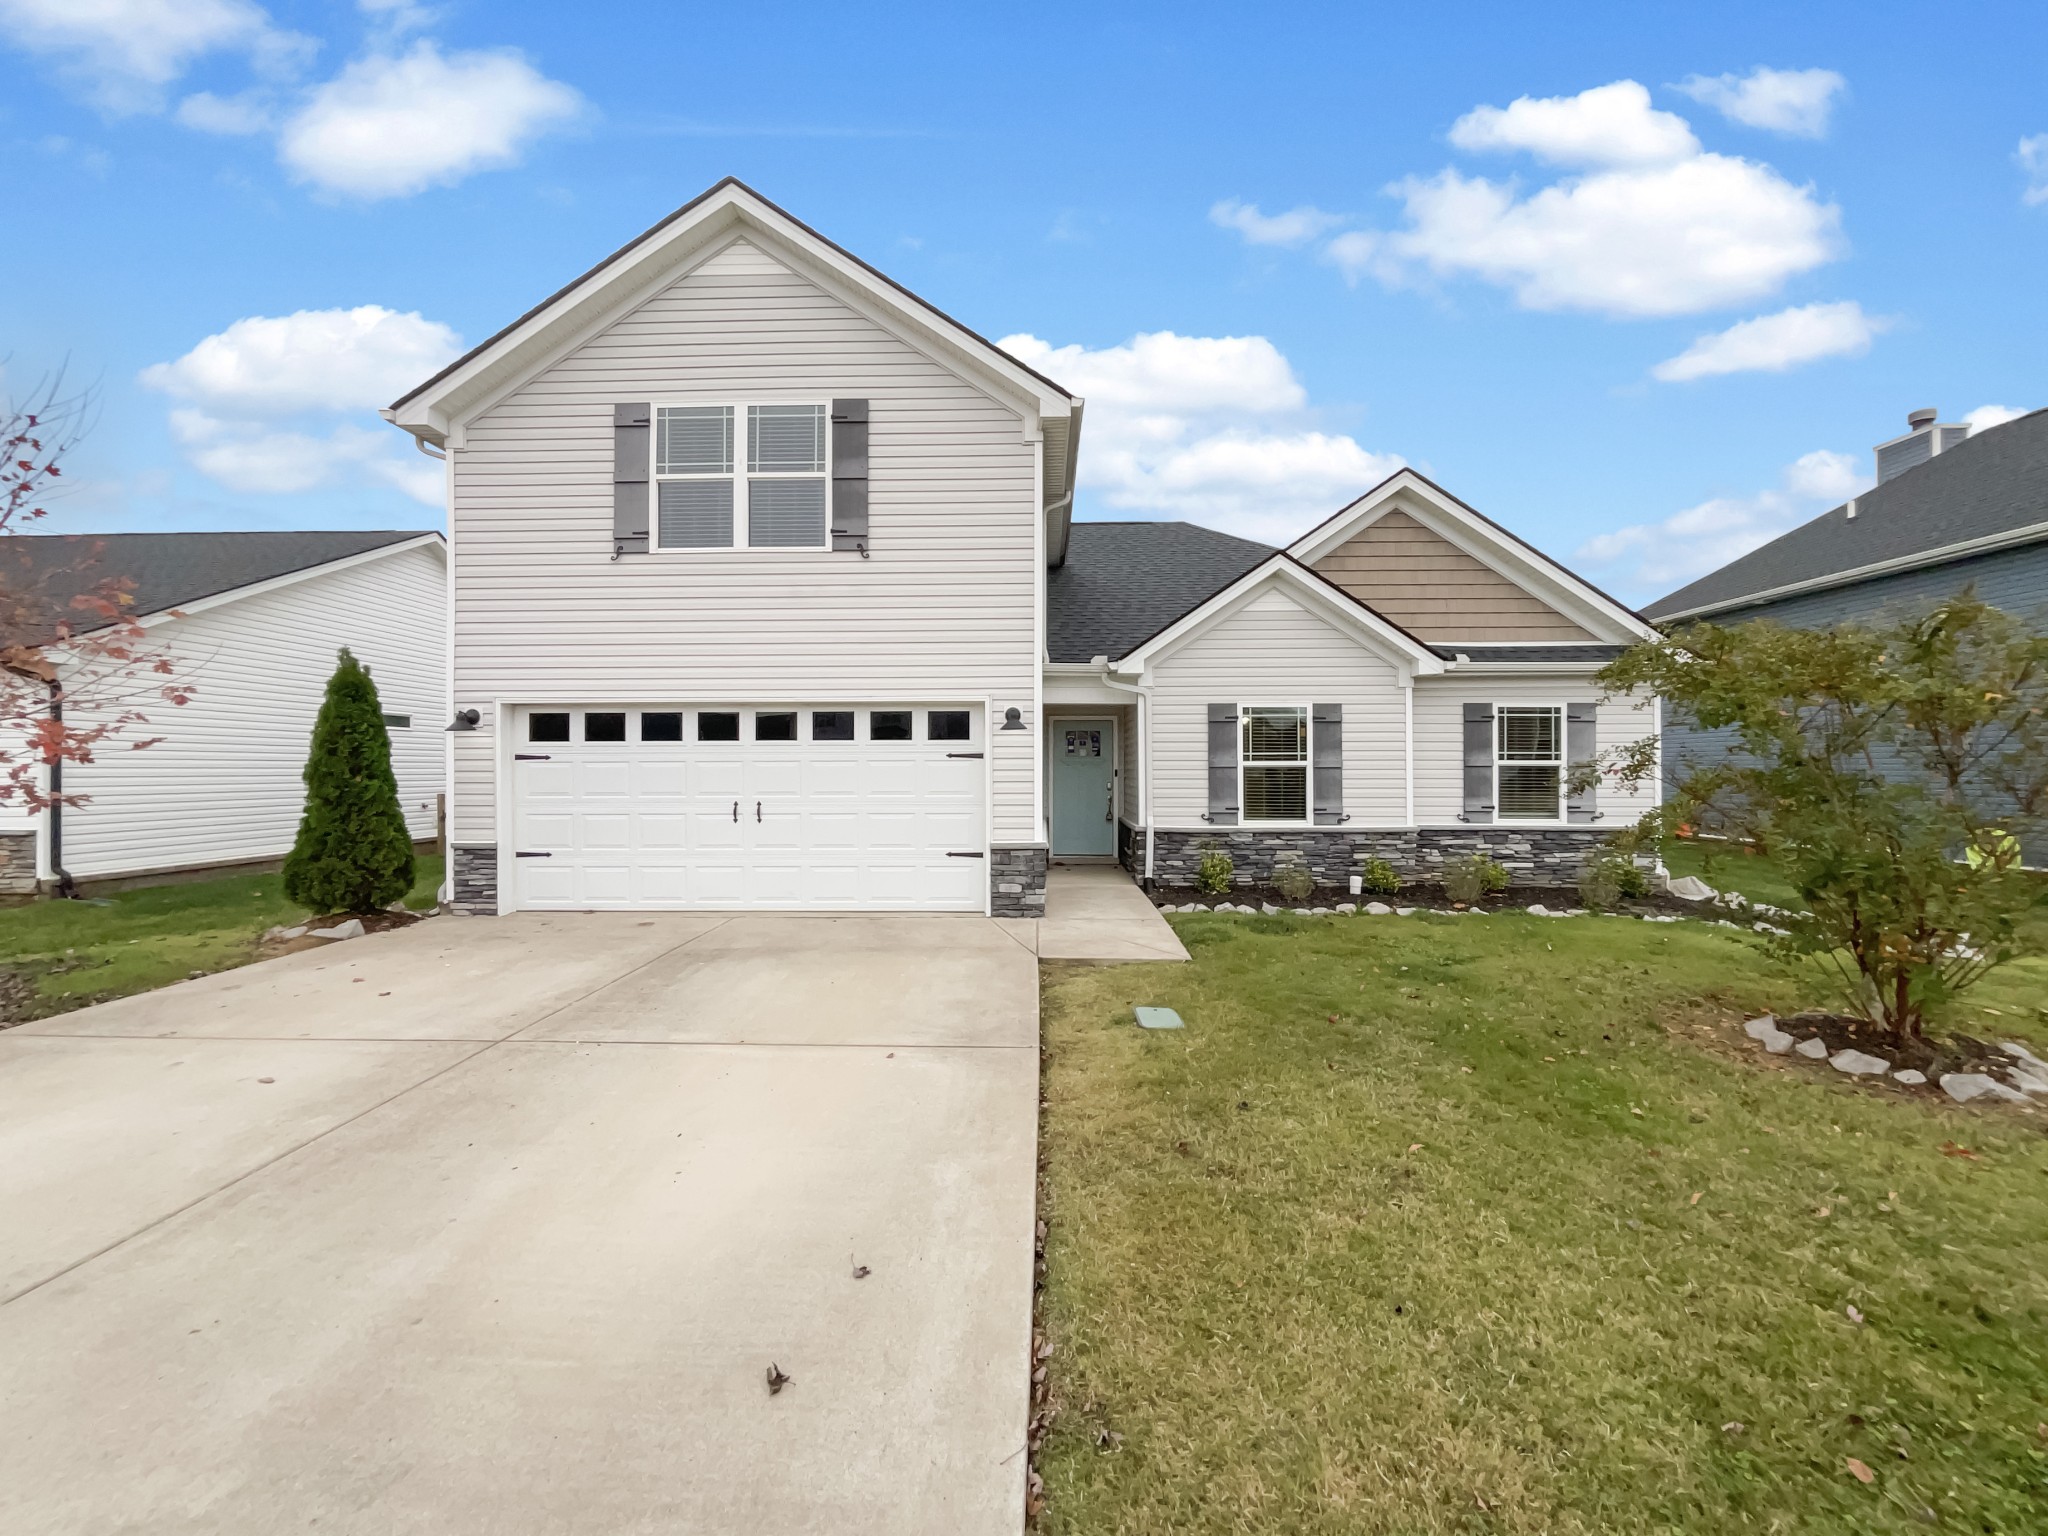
[1158, 1018]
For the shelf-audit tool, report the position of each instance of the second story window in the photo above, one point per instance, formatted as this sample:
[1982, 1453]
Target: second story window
[741, 477]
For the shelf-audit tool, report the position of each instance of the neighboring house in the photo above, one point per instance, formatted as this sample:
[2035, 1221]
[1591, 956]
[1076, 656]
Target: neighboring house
[252, 623]
[766, 594]
[1952, 509]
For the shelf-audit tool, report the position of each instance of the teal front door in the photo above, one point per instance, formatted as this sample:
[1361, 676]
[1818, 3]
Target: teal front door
[1083, 787]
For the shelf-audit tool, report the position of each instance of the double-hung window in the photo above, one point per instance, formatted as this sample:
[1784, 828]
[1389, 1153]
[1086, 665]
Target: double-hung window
[741, 477]
[1274, 763]
[1529, 762]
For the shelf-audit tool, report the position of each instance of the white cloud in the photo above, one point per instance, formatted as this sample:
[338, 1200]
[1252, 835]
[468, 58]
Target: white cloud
[392, 125]
[267, 403]
[1667, 240]
[1208, 428]
[1647, 560]
[1986, 417]
[2032, 156]
[1297, 226]
[250, 112]
[314, 359]
[1774, 343]
[125, 52]
[1607, 125]
[1794, 101]
[393, 17]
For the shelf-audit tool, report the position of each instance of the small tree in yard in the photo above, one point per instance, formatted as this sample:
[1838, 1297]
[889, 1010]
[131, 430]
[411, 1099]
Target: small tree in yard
[354, 853]
[1886, 770]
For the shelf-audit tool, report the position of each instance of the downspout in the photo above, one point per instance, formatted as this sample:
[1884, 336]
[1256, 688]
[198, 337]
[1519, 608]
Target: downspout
[1143, 694]
[67, 888]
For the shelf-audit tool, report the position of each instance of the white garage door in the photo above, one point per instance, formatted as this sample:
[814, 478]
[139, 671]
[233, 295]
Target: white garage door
[825, 808]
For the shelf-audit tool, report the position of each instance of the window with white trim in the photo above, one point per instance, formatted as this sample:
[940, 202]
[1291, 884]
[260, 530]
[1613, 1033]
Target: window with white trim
[1529, 762]
[741, 477]
[1273, 765]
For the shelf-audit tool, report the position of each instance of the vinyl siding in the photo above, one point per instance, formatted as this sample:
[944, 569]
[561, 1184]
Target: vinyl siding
[1440, 738]
[1273, 651]
[224, 782]
[1433, 589]
[943, 610]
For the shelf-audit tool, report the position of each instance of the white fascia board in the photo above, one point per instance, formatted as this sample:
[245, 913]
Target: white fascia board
[1991, 543]
[1368, 628]
[606, 292]
[432, 541]
[1445, 516]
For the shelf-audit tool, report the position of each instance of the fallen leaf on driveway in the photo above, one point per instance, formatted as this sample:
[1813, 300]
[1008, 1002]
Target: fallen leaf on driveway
[1860, 1472]
[861, 1271]
[777, 1381]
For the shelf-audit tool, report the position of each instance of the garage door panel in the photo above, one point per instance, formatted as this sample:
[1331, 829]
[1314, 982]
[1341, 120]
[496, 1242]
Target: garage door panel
[841, 825]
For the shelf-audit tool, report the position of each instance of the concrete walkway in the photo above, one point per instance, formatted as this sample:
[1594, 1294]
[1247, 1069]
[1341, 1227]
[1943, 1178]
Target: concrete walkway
[1096, 912]
[495, 1226]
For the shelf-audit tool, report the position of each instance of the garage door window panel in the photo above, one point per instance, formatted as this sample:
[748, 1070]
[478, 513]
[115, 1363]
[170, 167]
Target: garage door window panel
[775, 725]
[889, 725]
[948, 725]
[718, 725]
[661, 725]
[547, 727]
[604, 725]
[831, 725]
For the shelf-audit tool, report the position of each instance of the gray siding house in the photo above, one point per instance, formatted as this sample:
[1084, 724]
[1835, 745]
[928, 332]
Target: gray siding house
[767, 595]
[1952, 508]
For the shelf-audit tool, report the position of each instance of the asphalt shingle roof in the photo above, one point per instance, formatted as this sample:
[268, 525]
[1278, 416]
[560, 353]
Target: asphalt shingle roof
[1124, 582]
[172, 569]
[1992, 482]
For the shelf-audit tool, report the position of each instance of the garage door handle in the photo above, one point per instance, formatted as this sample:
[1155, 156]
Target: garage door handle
[757, 810]
[977, 854]
[963, 754]
[735, 810]
[533, 855]
[530, 757]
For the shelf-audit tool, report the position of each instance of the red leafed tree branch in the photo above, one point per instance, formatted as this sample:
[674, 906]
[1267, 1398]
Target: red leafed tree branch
[76, 668]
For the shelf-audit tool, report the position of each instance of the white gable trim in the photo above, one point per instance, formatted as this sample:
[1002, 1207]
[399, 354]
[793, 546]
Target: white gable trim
[699, 229]
[1458, 525]
[1408, 655]
[432, 541]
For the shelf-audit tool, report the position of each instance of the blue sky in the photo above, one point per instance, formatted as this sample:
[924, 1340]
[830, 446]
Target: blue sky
[1645, 284]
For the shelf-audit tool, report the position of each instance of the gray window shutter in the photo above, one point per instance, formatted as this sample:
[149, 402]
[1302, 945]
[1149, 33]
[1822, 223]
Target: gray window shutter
[1326, 759]
[1222, 765]
[1478, 763]
[850, 475]
[632, 453]
[1581, 746]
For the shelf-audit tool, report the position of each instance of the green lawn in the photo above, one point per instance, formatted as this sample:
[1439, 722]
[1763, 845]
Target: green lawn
[1492, 1225]
[81, 952]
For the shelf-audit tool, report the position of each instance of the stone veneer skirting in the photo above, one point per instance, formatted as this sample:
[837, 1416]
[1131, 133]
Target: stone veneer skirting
[1531, 855]
[18, 863]
[1016, 881]
[475, 877]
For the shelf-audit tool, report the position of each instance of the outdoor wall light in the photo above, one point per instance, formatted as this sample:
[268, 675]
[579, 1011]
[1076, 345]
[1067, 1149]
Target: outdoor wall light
[465, 720]
[1013, 719]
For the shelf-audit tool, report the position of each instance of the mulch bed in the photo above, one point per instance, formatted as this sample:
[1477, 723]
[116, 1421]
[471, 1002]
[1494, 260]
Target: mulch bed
[373, 922]
[1431, 898]
[1932, 1055]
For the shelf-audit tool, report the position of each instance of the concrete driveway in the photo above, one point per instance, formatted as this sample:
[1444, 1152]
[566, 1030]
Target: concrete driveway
[496, 1225]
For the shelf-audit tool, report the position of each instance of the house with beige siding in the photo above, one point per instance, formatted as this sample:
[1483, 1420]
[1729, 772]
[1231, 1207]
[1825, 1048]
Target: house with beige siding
[767, 593]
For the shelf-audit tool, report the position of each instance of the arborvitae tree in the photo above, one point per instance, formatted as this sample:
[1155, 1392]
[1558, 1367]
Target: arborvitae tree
[353, 852]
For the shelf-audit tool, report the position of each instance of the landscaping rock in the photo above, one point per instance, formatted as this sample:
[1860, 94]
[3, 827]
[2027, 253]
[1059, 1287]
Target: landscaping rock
[1766, 1033]
[1537, 909]
[1860, 1064]
[281, 933]
[1966, 1086]
[1910, 1077]
[352, 929]
[2029, 1072]
[1377, 909]
[1345, 908]
[1269, 909]
[1403, 911]
[1318, 911]
[1814, 1049]
[1690, 888]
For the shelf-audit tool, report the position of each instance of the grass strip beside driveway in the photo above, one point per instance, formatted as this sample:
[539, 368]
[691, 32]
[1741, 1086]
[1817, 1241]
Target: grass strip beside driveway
[67, 954]
[1484, 1224]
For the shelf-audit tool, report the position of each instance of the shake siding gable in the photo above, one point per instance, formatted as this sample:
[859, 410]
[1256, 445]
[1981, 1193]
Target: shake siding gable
[1433, 589]
[943, 609]
[224, 783]
[1273, 651]
[1440, 738]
